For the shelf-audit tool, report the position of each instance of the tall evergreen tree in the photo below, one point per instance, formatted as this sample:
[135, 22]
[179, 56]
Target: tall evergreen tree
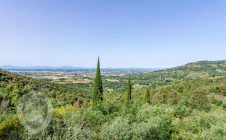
[98, 88]
[147, 96]
[129, 90]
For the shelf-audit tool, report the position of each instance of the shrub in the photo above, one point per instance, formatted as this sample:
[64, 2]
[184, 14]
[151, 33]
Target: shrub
[118, 129]
[225, 91]
[61, 111]
[61, 130]
[218, 102]
[173, 98]
[200, 101]
[181, 111]
[201, 125]
[154, 128]
[8, 125]
[215, 89]
[149, 122]
[1, 118]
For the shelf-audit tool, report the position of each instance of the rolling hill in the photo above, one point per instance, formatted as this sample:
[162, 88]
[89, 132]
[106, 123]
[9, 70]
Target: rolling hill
[186, 102]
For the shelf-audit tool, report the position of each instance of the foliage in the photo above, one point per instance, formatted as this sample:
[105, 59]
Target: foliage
[182, 111]
[201, 125]
[147, 96]
[215, 89]
[10, 123]
[129, 91]
[181, 106]
[225, 91]
[98, 88]
[13, 86]
[200, 101]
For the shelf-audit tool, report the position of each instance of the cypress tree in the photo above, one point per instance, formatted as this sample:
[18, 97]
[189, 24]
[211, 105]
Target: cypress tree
[129, 90]
[98, 88]
[147, 96]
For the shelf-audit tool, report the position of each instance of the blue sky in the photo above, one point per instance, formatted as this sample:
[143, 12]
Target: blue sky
[124, 33]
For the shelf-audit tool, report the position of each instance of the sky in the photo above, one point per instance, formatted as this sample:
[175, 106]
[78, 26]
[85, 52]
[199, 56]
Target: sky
[124, 33]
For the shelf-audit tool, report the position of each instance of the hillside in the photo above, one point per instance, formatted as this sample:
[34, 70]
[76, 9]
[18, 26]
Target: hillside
[13, 86]
[204, 68]
[181, 105]
[184, 110]
[196, 70]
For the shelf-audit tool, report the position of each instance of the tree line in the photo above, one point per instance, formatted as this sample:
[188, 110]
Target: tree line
[98, 89]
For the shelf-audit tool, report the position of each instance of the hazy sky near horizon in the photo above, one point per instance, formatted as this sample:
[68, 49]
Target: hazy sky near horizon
[124, 33]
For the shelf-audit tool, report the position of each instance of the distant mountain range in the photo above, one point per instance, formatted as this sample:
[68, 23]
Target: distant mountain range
[9, 67]
[202, 65]
[71, 69]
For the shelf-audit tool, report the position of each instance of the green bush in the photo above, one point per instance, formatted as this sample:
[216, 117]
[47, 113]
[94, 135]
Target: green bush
[219, 103]
[61, 129]
[200, 101]
[154, 128]
[215, 89]
[225, 91]
[181, 111]
[201, 125]
[150, 122]
[1, 118]
[119, 128]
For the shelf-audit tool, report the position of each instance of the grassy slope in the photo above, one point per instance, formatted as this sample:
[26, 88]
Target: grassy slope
[201, 69]
[177, 98]
[13, 86]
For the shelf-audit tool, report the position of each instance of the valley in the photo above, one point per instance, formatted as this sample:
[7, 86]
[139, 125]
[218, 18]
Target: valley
[177, 95]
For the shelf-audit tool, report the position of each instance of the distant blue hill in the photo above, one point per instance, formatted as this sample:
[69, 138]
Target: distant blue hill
[9, 67]
[71, 69]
